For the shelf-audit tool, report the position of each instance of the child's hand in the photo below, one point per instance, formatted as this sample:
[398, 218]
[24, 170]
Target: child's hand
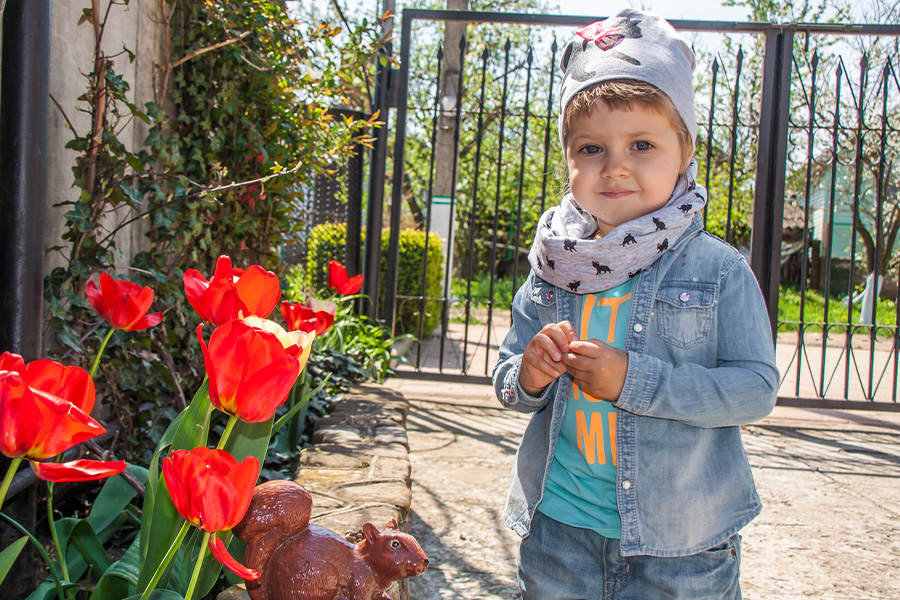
[542, 359]
[597, 368]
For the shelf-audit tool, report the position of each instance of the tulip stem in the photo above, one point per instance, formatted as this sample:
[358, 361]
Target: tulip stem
[10, 473]
[100, 352]
[165, 561]
[232, 421]
[196, 575]
[60, 555]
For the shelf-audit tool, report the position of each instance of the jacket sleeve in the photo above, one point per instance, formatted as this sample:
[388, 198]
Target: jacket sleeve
[525, 325]
[741, 388]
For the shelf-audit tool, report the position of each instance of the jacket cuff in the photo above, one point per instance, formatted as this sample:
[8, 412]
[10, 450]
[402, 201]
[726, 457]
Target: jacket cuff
[641, 383]
[513, 393]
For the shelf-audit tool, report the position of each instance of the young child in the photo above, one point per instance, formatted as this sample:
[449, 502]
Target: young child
[640, 343]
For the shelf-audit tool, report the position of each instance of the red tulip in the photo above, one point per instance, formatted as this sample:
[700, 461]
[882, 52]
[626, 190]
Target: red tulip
[251, 370]
[302, 318]
[122, 304]
[339, 282]
[232, 293]
[212, 491]
[44, 411]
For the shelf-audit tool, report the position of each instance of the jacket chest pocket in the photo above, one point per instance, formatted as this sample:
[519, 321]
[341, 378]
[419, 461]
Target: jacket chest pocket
[684, 312]
[544, 296]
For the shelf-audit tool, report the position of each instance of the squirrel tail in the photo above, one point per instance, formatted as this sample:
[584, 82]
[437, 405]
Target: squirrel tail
[281, 505]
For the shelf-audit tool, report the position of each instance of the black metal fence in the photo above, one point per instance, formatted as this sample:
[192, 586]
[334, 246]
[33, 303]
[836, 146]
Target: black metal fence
[331, 209]
[796, 145]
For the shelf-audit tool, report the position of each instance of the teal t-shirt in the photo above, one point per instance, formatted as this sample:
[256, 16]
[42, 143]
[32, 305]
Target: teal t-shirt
[581, 485]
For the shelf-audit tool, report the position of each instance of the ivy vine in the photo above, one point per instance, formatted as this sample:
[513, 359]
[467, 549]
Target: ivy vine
[239, 126]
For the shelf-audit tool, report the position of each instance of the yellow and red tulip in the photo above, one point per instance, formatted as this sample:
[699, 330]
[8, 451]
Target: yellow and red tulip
[122, 304]
[300, 317]
[232, 293]
[251, 368]
[212, 491]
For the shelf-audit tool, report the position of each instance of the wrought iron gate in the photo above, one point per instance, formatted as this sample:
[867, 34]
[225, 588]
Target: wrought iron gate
[780, 139]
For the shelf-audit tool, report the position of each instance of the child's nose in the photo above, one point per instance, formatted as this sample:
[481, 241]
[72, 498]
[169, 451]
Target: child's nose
[615, 165]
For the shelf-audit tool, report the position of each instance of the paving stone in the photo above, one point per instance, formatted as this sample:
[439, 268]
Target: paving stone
[366, 448]
[390, 468]
[393, 434]
[312, 457]
[387, 492]
[336, 436]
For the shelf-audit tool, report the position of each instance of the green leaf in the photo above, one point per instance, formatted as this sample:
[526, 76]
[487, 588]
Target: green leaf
[158, 595]
[120, 579]
[161, 525]
[10, 554]
[113, 499]
[48, 591]
[283, 420]
[89, 546]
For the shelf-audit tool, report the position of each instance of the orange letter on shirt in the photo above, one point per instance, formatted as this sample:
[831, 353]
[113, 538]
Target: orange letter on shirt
[590, 441]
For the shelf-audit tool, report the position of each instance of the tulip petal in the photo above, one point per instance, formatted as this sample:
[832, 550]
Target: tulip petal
[20, 418]
[183, 473]
[95, 297]
[64, 426]
[70, 383]
[217, 548]
[259, 290]
[265, 390]
[77, 470]
[243, 477]
[216, 503]
[195, 285]
[12, 362]
[321, 306]
[351, 286]
[222, 302]
[224, 269]
[147, 321]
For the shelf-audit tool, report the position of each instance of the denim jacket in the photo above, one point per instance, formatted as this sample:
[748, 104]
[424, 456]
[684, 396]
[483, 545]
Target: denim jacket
[701, 363]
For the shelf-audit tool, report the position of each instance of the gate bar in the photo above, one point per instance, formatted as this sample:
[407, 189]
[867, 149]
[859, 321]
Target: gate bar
[768, 204]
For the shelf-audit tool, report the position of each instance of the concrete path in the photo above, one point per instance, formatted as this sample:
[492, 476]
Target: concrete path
[829, 480]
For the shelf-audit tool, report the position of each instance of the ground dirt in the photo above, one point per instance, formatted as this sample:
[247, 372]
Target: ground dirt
[829, 482]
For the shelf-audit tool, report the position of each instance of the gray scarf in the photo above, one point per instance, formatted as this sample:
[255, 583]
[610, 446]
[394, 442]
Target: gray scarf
[565, 254]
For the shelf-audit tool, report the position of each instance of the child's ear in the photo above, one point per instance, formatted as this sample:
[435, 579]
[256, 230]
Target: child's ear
[566, 55]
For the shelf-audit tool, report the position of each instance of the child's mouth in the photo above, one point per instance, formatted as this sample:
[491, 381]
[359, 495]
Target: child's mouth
[615, 194]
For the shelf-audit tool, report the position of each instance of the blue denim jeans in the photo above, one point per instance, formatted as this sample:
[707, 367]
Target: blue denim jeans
[559, 562]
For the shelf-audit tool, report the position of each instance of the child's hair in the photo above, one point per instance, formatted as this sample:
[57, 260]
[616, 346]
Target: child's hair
[624, 94]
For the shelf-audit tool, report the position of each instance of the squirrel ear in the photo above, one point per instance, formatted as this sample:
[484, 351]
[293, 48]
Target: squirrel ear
[370, 532]
[392, 524]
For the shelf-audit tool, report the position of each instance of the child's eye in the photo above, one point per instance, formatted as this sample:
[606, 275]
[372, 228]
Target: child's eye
[591, 149]
[642, 146]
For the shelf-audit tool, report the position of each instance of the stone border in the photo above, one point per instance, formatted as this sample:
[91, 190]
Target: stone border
[358, 469]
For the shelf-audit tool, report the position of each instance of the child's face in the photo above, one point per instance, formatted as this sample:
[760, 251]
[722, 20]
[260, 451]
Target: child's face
[622, 164]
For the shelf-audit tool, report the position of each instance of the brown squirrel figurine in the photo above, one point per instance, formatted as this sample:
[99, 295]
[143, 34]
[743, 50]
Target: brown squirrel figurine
[299, 561]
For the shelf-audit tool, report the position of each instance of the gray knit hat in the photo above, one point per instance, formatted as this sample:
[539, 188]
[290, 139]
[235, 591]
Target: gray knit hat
[631, 45]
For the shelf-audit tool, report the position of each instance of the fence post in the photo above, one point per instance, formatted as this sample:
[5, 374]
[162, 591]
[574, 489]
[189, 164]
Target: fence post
[771, 164]
[377, 166]
[390, 283]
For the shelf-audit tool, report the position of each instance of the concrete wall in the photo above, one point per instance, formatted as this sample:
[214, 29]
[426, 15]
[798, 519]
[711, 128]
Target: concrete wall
[137, 26]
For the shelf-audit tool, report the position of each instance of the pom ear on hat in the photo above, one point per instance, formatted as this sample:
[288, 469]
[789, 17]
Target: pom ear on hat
[566, 55]
[631, 45]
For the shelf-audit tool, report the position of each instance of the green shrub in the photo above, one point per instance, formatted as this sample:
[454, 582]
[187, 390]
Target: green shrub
[409, 280]
[328, 240]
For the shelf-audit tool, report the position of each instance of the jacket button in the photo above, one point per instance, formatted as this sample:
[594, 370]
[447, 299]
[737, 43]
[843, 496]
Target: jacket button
[684, 296]
[626, 485]
[638, 328]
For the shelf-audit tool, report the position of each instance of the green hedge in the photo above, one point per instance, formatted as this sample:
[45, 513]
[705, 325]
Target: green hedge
[328, 241]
